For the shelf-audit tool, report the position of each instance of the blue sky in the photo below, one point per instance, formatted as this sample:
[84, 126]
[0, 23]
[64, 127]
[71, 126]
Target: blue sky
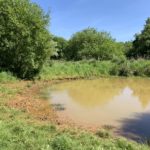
[122, 18]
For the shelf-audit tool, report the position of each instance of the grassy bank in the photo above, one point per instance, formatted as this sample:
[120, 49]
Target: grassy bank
[90, 69]
[24, 116]
[18, 135]
[21, 129]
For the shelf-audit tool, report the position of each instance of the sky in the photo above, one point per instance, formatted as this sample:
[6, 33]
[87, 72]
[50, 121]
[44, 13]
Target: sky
[122, 18]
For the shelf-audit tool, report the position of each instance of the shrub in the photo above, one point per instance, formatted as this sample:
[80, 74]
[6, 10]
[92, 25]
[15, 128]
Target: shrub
[124, 69]
[140, 67]
[25, 41]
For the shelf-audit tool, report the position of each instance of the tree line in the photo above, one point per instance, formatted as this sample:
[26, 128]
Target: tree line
[92, 44]
[26, 43]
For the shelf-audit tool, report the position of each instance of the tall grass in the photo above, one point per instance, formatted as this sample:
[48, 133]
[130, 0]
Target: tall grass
[132, 68]
[81, 69]
[90, 69]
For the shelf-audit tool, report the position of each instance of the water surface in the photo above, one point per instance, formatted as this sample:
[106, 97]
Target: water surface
[119, 102]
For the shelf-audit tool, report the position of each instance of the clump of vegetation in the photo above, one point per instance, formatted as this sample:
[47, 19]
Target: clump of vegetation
[91, 69]
[140, 67]
[61, 45]
[91, 44]
[25, 42]
[63, 142]
[122, 68]
[103, 133]
[78, 69]
[7, 77]
[141, 44]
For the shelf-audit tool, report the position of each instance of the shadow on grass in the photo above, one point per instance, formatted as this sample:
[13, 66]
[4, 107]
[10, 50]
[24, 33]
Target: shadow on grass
[137, 128]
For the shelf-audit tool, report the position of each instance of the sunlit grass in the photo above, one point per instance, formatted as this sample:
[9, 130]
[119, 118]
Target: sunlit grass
[61, 70]
[91, 69]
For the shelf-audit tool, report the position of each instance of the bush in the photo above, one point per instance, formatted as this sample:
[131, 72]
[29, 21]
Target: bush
[124, 69]
[25, 41]
[121, 68]
[140, 67]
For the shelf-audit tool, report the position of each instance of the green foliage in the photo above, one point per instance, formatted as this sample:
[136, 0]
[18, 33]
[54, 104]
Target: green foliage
[128, 46]
[6, 77]
[138, 67]
[25, 41]
[61, 47]
[122, 68]
[78, 69]
[141, 44]
[91, 44]
[91, 69]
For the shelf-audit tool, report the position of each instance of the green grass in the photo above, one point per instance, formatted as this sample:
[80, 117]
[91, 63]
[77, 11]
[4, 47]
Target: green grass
[20, 135]
[7, 77]
[91, 69]
[84, 69]
[7, 93]
[20, 131]
[88, 69]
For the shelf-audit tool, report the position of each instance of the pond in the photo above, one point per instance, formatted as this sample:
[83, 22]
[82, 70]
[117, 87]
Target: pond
[123, 103]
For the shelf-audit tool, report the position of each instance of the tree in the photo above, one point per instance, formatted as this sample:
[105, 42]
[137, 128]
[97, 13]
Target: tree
[25, 41]
[128, 46]
[61, 47]
[141, 44]
[91, 44]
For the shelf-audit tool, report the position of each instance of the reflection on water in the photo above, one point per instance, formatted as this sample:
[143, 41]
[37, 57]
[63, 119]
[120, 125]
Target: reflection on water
[114, 101]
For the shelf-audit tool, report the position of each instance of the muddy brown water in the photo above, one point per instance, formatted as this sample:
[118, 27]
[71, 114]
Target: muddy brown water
[123, 103]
